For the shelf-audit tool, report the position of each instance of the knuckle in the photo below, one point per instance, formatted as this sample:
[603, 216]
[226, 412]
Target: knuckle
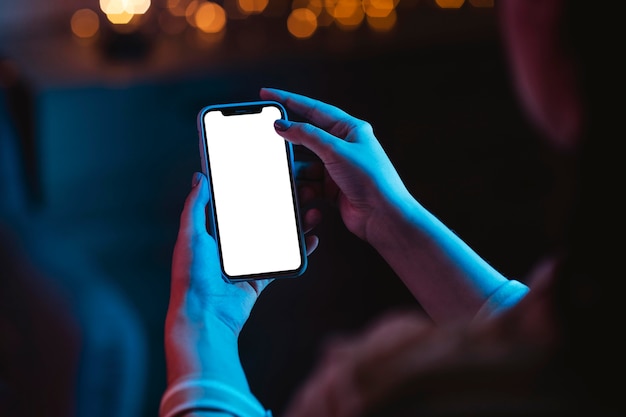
[308, 128]
[351, 125]
[363, 126]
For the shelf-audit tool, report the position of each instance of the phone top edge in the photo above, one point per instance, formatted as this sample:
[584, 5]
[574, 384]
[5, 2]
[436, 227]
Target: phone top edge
[244, 106]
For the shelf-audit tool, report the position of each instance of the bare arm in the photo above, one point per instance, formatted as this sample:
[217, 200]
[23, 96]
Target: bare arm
[203, 322]
[448, 278]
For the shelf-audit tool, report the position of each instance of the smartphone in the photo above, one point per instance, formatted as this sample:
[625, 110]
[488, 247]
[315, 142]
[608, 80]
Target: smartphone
[254, 215]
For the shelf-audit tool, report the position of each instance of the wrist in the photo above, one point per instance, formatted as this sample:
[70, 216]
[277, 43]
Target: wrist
[201, 346]
[392, 226]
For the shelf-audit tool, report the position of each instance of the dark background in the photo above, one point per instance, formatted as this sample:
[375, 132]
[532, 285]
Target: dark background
[112, 146]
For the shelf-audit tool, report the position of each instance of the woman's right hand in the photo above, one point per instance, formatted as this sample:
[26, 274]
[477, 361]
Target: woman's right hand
[357, 174]
[446, 276]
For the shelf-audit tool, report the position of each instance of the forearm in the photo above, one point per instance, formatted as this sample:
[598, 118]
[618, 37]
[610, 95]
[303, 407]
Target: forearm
[205, 375]
[204, 318]
[449, 279]
[202, 347]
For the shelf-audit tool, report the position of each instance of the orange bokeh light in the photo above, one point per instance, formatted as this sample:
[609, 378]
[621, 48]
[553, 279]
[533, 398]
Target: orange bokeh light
[348, 13]
[450, 4]
[252, 6]
[210, 17]
[302, 23]
[85, 23]
[383, 23]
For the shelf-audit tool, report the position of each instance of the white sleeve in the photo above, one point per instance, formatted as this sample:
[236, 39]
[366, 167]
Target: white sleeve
[504, 297]
[206, 395]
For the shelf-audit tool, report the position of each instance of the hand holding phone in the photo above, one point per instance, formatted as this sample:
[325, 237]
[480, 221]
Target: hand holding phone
[254, 214]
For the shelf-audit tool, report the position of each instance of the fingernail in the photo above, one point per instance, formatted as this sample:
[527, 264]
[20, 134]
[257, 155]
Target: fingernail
[195, 180]
[282, 124]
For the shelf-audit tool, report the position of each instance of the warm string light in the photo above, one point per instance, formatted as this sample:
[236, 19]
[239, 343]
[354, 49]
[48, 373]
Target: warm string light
[121, 12]
[304, 18]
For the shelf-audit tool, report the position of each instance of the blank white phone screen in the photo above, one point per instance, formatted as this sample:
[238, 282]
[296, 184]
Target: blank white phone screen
[251, 182]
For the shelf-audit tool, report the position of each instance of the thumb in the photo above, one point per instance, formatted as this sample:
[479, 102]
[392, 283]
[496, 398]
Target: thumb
[193, 216]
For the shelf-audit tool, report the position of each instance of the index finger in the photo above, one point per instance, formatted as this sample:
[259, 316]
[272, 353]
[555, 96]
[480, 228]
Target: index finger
[325, 116]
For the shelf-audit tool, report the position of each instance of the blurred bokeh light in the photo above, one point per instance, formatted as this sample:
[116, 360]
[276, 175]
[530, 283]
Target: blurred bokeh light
[210, 17]
[302, 23]
[85, 23]
[88, 40]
